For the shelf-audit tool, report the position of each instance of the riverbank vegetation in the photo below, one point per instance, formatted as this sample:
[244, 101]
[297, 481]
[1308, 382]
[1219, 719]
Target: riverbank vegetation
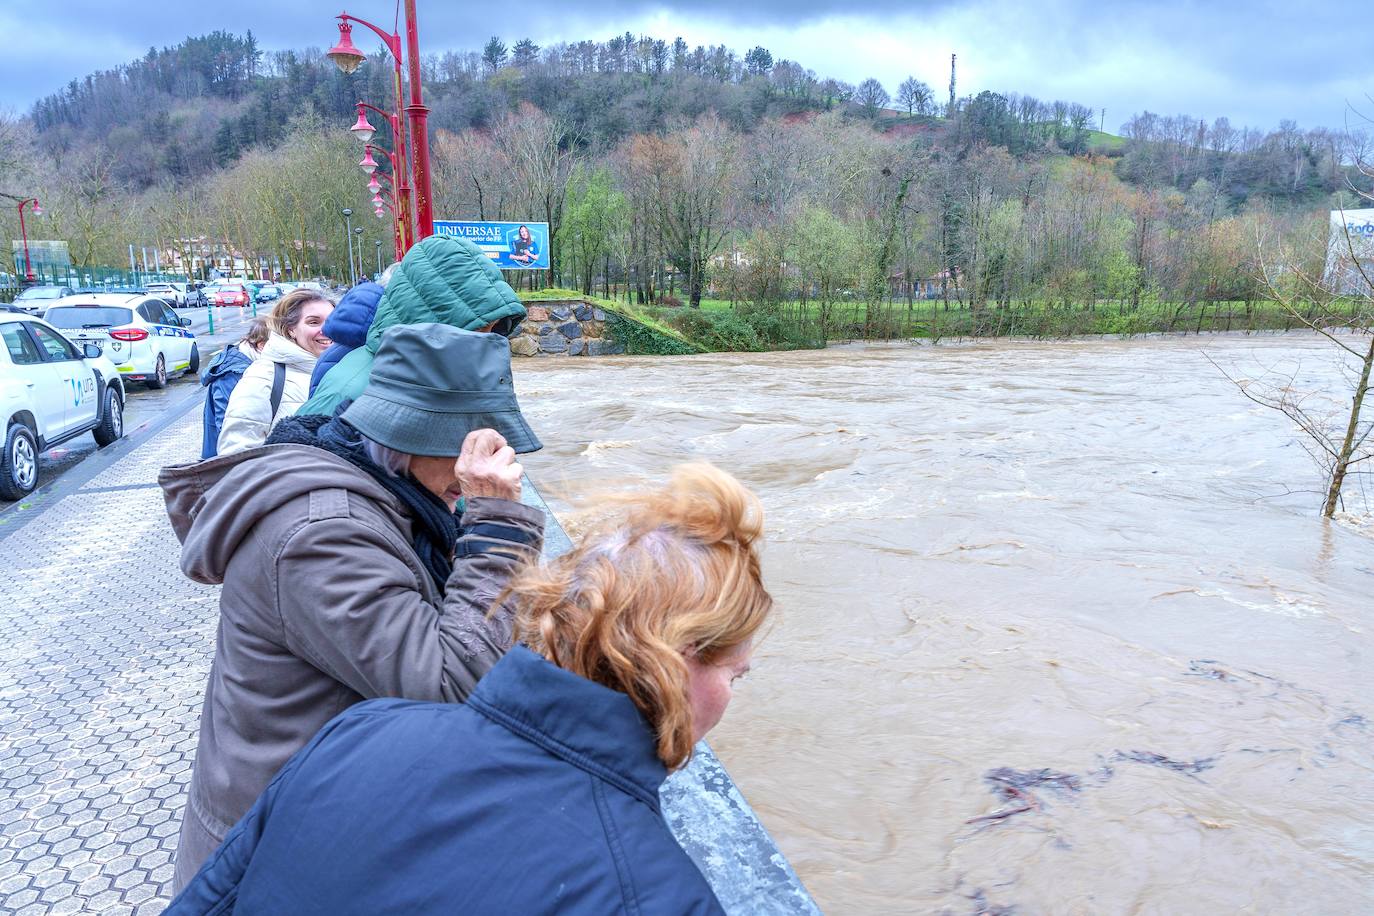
[672, 175]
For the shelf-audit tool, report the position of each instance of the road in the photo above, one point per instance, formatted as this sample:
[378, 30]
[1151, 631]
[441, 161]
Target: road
[144, 406]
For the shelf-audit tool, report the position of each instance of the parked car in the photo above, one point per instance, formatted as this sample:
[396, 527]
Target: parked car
[269, 293]
[37, 298]
[231, 294]
[140, 334]
[50, 391]
[173, 294]
[195, 294]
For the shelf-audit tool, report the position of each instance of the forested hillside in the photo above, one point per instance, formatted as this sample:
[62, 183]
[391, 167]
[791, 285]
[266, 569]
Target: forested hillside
[664, 166]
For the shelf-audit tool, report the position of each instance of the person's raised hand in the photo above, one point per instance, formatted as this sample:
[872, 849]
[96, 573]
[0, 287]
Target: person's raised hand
[487, 466]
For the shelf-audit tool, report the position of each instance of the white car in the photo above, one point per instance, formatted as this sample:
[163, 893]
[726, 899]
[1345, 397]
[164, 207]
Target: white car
[37, 298]
[50, 391]
[173, 293]
[139, 333]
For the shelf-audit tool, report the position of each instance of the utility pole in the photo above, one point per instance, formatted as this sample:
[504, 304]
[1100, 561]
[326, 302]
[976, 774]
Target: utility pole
[1102, 125]
[949, 112]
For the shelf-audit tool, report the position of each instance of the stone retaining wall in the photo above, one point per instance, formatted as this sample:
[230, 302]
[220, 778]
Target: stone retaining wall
[564, 328]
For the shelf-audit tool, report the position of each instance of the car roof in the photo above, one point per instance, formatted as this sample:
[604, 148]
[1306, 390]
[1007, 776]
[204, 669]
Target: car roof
[125, 300]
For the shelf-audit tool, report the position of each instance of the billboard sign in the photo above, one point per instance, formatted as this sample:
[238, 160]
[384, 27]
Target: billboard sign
[42, 253]
[512, 246]
[1351, 230]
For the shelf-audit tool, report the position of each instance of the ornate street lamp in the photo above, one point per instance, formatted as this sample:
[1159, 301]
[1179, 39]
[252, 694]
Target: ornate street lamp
[362, 129]
[368, 164]
[348, 58]
[344, 54]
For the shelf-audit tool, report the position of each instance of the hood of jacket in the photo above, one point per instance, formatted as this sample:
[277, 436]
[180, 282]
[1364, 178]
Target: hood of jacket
[281, 349]
[229, 361]
[445, 280]
[349, 322]
[214, 504]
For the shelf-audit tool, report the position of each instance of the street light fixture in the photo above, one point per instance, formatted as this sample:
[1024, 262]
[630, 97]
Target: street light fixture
[378, 245]
[368, 164]
[362, 128]
[348, 241]
[345, 54]
[358, 231]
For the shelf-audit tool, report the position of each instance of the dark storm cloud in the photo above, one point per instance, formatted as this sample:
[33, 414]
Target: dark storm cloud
[1253, 62]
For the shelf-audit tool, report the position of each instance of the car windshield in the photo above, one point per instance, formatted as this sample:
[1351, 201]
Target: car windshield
[88, 316]
[42, 292]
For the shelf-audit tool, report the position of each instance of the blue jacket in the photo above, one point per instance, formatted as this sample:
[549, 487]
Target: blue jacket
[219, 379]
[347, 326]
[538, 795]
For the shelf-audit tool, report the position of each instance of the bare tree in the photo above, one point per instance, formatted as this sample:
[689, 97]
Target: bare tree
[915, 96]
[871, 96]
[1334, 300]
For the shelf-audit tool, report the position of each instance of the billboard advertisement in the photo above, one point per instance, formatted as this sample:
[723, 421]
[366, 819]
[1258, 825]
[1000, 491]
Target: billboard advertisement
[512, 246]
[1350, 229]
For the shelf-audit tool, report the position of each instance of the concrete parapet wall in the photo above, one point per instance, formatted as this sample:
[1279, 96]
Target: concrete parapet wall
[564, 328]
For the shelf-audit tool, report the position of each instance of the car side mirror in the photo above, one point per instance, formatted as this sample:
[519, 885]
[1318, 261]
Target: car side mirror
[91, 351]
[185, 322]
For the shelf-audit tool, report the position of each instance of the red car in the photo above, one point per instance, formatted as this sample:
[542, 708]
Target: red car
[234, 294]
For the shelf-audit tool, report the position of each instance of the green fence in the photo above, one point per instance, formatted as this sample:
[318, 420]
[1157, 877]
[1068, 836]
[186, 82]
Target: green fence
[83, 278]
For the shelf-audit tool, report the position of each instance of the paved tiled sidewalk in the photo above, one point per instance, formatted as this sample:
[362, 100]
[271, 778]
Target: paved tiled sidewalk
[104, 649]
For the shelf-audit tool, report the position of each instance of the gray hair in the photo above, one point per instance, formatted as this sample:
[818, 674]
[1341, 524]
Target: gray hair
[395, 463]
[385, 278]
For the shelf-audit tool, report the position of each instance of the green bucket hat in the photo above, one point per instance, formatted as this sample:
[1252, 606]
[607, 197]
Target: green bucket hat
[432, 384]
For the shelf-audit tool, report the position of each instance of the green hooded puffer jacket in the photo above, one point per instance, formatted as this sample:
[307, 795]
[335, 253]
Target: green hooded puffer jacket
[441, 279]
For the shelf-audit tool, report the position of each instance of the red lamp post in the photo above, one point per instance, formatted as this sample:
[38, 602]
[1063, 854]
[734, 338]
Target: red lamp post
[37, 210]
[346, 55]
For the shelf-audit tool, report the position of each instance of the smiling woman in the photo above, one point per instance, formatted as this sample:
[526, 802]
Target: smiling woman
[278, 381]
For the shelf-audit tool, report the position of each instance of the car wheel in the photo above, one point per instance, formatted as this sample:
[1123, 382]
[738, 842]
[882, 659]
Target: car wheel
[195, 360]
[19, 464]
[111, 426]
[159, 379]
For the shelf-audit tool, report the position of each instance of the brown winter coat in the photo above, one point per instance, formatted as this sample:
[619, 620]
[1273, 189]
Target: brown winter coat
[324, 604]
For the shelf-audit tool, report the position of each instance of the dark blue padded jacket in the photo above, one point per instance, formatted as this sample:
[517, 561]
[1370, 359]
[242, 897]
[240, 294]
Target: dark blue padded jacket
[347, 327]
[219, 379]
[537, 795]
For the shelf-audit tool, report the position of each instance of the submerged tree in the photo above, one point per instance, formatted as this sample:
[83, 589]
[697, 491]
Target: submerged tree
[1334, 300]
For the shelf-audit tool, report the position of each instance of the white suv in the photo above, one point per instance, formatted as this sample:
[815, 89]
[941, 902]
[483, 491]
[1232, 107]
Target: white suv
[50, 391]
[139, 333]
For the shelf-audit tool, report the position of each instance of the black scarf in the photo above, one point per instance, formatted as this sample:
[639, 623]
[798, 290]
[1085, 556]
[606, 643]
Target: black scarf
[436, 528]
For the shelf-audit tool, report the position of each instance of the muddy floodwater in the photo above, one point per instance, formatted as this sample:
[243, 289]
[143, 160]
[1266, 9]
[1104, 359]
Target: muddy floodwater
[1056, 634]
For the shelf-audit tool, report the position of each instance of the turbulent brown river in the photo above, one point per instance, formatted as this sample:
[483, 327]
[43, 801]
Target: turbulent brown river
[1059, 629]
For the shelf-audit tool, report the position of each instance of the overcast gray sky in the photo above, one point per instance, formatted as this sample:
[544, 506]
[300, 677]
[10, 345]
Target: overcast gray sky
[1252, 62]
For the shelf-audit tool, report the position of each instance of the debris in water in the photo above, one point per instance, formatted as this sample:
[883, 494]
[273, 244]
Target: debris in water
[1206, 667]
[1006, 779]
[1012, 786]
[981, 906]
[1187, 767]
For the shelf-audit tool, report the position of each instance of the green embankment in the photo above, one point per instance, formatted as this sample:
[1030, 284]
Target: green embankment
[634, 328]
[721, 326]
